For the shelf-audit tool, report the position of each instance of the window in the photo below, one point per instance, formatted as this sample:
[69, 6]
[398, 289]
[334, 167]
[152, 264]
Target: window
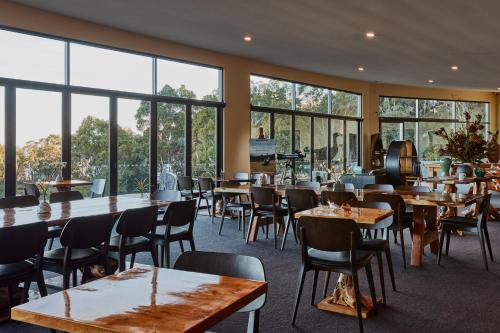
[346, 104]
[429, 143]
[98, 67]
[203, 144]
[337, 143]
[38, 135]
[133, 144]
[2, 138]
[27, 57]
[259, 120]
[320, 144]
[390, 132]
[89, 138]
[473, 108]
[311, 99]
[352, 143]
[283, 137]
[178, 79]
[435, 109]
[397, 107]
[303, 144]
[270, 92]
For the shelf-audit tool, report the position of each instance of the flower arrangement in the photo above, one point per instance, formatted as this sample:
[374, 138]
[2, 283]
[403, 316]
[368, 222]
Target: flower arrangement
[142, 186]
[466, 145]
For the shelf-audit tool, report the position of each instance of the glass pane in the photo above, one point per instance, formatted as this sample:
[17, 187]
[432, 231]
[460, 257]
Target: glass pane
[311, 99]
[397, 107]
[260, 119]
[98, 67]
[320, 144]
[89, 138]
[435, 109]
[429, 143]
[390, 132]
[2, 143]
[337, 149]
[352, 144]
[133, 145]
[303, 144]
[282, 135]
[171, 143]
[28, 57]
[474, 109]
[346, 104]
[203, 160]
[410, 132]
[271, 93]
[179, 79]
[38, 135]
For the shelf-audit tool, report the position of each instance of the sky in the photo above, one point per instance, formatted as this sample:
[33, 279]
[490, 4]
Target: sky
[40, 59]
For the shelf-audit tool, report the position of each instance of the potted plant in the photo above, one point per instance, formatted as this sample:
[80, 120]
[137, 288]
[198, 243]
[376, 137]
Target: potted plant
[465, 145]
[142, 186]
[44, 186]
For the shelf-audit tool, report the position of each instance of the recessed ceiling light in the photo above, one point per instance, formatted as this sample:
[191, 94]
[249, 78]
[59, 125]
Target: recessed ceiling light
[454, 68]
[370, 35]
[247, 38]
[498, 88]
[430, 81]
[361, 69]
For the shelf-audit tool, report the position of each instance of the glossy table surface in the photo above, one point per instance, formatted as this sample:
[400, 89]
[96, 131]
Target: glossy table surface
[62, 212]
[359, 215]
[69, 183]
[279, 189]
[455, 180]
[143, 299]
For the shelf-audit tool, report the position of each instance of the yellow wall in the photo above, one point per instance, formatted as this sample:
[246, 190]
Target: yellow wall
[236, 76]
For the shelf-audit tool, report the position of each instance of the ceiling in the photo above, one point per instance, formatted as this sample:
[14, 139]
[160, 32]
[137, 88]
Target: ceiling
[416, 40]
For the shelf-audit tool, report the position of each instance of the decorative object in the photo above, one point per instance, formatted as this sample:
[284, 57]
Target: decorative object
[60, 177]
[479, 172]
[44, 206]
[401, 162]
[445, 166]
[493, 148]
[466, 145]
[466, 168]
[377, 152]
[336, 172]
[461, 175]
[142, 186]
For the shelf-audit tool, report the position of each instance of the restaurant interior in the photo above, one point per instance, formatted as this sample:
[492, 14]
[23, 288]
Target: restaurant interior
[231, 166]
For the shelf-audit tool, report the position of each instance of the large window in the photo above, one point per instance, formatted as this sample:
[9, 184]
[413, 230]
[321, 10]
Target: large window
[123, 116]
[418, 119]
[326, 123]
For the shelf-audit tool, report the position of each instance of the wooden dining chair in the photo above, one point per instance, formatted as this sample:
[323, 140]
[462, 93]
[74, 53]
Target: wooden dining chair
[31, 189]
[232, 203]
[337, 197]
[20, 201]
[21, 258]
[165, 195]
[333, 245]
[228, 264]
[85, 242]
[178, 225]
[297, 200]
[136, 232]
[206, 188]
[185, 184]
[65, 196]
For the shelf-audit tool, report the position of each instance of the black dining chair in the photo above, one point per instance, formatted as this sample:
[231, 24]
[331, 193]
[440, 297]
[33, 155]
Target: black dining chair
[97, 188]
[333, 245]
[477, 225]
[178, 225]
[21, 258]
[337, 197]
[85, 242]
[401, 221]
[266, 204]
[379, 187]
[20, 201]
[31, 189]
[228, 264]
[310, 184]
[297, 200]
[185, 184]
[165, 195]
[136, 231]
[206, 188]
[65, 196]
[232, 203]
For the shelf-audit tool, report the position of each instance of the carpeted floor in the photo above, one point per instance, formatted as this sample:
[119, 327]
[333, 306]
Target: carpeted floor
[458, 296]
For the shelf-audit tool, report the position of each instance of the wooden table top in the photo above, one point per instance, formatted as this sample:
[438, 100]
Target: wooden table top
[279, 189]
[455, 180]
[359, 215]
[62, 212]
[143, 299]
[69, 183]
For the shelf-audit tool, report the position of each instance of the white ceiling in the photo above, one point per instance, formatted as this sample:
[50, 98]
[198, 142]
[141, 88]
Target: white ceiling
[417, 40]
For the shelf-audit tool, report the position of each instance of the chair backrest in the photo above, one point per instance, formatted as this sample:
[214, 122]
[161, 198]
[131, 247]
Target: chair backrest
[337, 197]
[349, 186]
[484, 209]
[301, 199]
[22, 242]
[310, 184]
[180, 213]
[64, 196]
[137, 222]
[166, 195]
[377, 205]
[415, 188]
[88, 231]
[397, 203]
[380, 187]
[262, 196]
[97, 189]
[31, 189]
[19, 201]
[206, 184]
[226, 264]
[326, 234]
[184, 183]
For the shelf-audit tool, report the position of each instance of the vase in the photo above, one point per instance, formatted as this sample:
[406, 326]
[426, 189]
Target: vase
[445, 166]
[465, 168]
[44, 207]
[479, 172]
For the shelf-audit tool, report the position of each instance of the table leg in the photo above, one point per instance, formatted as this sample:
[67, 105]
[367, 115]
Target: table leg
[418, 236]
[432, 228]
[254, 228]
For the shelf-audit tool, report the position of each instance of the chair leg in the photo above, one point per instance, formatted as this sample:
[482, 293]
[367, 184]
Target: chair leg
[197, 208]
[181, 246]
[487, 237]
[327, 282]
[213, 210]
[448, 237]
[315, 284]
[287, 226]
[121, 262]
[191, 243]
[294, 228]
[390, 266]
[26, 289]
[132, 260]
[300, 286]
[381, 274]
[162, 255]
[253, 322]
[441, 241]
[243, 222]
[483, 248]
[40, 281]
[402, 240]
[371, 285]
[154, 254]
[66, 276]
[74, 275]
[222, 218]
[358, 300]
[267, 229]
[275, 227]
[250, 225]
[167, 254]
[51, 242]
[208, 207]
[395, 233]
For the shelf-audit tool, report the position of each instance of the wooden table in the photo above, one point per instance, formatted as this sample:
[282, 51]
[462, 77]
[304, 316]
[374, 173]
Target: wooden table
[66, 185]
[62, 212]
[344, 289]
[143, 299]
[450, 183]
[279, 189]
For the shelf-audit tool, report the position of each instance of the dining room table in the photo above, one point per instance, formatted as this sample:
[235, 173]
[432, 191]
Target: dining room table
[67, 184]
[143, 299]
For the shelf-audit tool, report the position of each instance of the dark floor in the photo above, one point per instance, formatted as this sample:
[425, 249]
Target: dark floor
[458, 296]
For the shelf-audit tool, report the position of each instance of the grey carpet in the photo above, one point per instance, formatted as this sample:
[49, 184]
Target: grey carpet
[458, 296]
